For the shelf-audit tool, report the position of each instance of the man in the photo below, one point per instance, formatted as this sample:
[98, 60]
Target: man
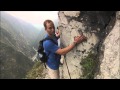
[53, 51]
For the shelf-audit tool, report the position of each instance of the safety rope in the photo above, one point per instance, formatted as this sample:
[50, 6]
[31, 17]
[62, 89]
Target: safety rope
[67, 66]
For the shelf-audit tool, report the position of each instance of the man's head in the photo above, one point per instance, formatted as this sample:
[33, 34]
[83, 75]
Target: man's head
[49, 27]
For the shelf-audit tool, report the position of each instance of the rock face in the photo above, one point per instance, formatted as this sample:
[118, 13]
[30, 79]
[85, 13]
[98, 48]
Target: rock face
[101, 29]
[110, 56]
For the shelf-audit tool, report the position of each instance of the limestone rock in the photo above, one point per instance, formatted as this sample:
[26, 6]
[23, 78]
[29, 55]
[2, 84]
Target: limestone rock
[72, 13]
[110, 63]
[97, 27]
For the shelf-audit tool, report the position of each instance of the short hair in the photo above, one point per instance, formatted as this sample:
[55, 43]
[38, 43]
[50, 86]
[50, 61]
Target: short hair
[47, 21]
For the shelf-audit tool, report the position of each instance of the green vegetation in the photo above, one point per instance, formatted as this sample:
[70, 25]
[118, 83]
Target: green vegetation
[89, 64]
[36, 71]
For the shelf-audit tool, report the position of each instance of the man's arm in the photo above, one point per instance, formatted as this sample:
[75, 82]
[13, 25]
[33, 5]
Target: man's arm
[65, 50]
[77, 40]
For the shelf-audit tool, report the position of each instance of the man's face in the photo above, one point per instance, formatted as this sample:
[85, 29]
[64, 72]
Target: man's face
[50, 28]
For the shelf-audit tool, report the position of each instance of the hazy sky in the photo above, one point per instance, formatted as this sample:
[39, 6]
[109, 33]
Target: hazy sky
[35, 17]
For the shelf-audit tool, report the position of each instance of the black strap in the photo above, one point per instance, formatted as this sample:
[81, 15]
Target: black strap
[48, 38]
[45, 66]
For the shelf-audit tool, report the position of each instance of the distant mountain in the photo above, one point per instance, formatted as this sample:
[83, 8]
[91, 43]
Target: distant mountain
[18, 34]
[40, 36]
[13, 64]
[16, 46]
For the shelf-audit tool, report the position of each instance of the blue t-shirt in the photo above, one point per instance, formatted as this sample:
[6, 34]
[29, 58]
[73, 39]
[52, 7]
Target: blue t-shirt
[50, 49]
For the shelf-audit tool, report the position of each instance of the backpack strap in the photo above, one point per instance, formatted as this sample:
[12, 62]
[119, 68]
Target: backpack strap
[48, 38]
[45, 66]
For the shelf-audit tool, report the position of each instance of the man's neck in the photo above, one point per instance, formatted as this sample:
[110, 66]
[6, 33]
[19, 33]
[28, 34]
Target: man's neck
[51, 36]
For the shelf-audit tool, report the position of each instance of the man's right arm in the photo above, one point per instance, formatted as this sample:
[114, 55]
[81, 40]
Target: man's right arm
[77, 40]
[65, 50]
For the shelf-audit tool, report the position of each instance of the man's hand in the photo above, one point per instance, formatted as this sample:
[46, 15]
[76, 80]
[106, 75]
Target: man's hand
[58, 33]
[79, 39]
